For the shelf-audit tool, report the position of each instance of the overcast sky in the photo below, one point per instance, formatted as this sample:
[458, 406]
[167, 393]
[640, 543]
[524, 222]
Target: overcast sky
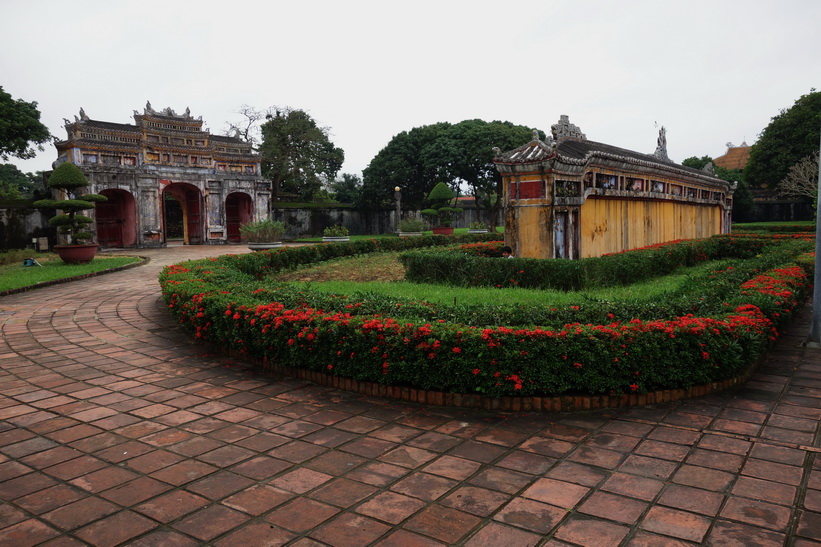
[711, 72]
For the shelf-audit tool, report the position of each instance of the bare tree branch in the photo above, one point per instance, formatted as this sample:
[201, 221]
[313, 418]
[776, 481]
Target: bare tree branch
[247, 128]
[801, 179]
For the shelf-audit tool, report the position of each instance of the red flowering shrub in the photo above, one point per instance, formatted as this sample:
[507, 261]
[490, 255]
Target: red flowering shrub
[223, 302]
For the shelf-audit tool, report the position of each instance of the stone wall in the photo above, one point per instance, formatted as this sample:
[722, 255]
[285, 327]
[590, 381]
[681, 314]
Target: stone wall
[310, 222]
[19, 224]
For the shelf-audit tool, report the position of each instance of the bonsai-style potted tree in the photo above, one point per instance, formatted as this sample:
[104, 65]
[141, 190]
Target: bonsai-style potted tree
[442, 208]
[262, 234]
[335, 234]
[69, 180]
[411, 226]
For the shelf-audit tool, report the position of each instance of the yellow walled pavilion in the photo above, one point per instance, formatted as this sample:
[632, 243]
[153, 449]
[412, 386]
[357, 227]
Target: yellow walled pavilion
[568, 197]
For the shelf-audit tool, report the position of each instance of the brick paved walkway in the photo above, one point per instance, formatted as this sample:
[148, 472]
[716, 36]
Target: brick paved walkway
[116, 429]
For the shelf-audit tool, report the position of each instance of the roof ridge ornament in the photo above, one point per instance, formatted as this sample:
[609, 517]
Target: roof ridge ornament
[563, 129]
[661, 146]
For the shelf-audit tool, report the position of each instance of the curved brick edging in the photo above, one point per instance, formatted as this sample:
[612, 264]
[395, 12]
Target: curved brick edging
[143, 261]
[566, 403]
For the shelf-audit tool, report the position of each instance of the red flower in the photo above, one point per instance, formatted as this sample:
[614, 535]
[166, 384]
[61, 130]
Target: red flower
[457, 350]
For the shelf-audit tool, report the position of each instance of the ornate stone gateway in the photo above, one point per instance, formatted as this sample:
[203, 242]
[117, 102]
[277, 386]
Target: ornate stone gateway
[168, 177]
[568, 197]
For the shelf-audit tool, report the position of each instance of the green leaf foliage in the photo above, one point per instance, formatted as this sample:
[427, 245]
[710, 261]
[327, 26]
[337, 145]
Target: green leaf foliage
[298, 155]
[792, 135]
[20, 127]
[456, 154]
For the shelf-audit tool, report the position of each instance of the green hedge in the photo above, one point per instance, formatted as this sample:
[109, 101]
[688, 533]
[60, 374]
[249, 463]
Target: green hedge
[774, 228]
[229, 301]
[466, 269]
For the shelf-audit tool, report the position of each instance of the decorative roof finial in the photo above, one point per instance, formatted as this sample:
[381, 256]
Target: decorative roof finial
[661, 146]
[566, 130]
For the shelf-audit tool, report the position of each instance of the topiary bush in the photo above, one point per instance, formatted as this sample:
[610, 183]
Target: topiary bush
[442, 207]
[69, 179]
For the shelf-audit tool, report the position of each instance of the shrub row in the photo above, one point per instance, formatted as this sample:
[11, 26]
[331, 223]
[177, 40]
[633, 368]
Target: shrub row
[471, 269]
[775, 228]
[224, 301]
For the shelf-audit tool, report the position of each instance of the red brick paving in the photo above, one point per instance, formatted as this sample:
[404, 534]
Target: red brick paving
[115, 429]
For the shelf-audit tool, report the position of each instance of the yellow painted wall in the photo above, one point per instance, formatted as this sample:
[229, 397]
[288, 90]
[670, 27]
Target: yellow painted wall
[532, 237]
[612, 225]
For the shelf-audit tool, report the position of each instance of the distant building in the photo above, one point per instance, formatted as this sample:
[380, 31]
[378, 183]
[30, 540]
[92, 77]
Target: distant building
[768, 205]
[166, 179]
[568, 197]
[735, 158]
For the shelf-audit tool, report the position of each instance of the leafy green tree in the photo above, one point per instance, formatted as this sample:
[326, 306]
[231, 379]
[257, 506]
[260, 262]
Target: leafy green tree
[20, 128]
[15, 184]
[474, 161]
[347, 189]
[697, 163]
[297, 155]
[791, 136]
[742, 198]
[457, 154]
[11, 179]
[404, 163]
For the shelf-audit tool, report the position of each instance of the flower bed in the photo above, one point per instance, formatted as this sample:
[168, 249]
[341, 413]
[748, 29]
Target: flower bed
[230, 301]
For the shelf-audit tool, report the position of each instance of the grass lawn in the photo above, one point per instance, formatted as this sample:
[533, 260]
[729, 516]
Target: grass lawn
[382, 273]
[13, 275]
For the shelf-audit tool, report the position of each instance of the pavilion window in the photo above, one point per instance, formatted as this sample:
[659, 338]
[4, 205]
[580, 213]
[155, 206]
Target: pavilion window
[566, 188]
[608, 182]
[129, 160]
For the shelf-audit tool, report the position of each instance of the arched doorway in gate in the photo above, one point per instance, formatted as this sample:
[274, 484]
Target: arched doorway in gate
[182, 213]
[116, 219]
[238, 210]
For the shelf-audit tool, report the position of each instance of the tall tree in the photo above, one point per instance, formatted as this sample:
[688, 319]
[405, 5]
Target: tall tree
[15, 184]
[347, 189]
[297, 155]
[402, 163]
[474, 164]
[742, 198]
[697, 163]
[457, 154]
[21, 132]
[791, 136]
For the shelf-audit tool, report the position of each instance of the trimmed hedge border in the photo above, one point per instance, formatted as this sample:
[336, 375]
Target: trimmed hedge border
[623, 362]
[567, 403]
